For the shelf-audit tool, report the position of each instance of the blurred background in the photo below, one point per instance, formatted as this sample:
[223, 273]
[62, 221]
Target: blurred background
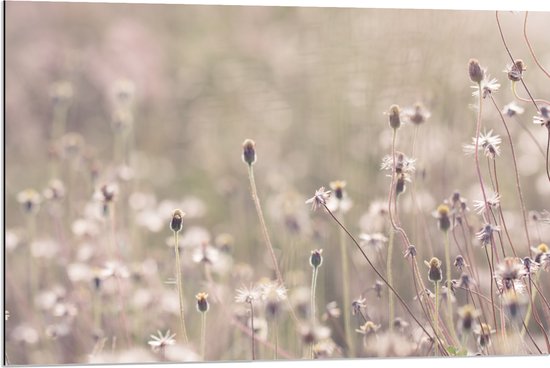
[309, 85]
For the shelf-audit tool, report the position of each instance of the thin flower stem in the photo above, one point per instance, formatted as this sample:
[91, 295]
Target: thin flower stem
[535, 142]
[256, 200]
[436, 314]
[345, 289]
[391, 307]
[502, 214]
[523, 99]
[179, 282]
[203, 336]
[424, 308]
[313, 287]
[449, 278]
[516, 171]
[476, 152]
[491, 283]
[376, 270]
[512, 58]
[531, 308]
[263, 342]
[252, 331]
[263, 226]
[531, 47]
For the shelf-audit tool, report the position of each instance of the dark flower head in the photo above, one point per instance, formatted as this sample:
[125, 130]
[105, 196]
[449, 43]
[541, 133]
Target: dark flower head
[249, 152]
[316, 258]
[202, 302]
[176, 224]
[434, 273]
[475, 71]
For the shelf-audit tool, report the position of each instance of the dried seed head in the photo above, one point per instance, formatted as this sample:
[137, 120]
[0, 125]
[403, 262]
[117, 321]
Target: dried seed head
[411, 251]
[515, 71]
[316, 258]
[434, 273]
[249, 152]
[476, 73]
[394, 117]
[459, 262]
[176, 224]
[202, 303]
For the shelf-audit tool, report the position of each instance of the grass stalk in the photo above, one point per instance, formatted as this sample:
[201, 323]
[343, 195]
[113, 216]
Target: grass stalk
[179, 283]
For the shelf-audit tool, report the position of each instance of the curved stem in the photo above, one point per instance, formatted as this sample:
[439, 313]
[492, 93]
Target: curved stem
[523, 99]
[476, 153]
[516, 171]
[512, 58]
[501, 213]
[535, 142]
[376, 271]
[263, 226]
[256, 200]
[531, 47]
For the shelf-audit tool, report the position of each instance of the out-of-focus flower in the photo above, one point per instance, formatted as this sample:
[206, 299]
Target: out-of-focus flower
[319, 199]
[493, 201]
[487, 142]
[543, 117]
[30, 200]
[512, 109]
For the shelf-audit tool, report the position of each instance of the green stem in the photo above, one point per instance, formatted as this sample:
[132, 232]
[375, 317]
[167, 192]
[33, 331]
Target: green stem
[179, 282]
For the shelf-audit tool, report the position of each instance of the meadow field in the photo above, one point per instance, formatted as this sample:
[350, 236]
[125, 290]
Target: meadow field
[220, 183]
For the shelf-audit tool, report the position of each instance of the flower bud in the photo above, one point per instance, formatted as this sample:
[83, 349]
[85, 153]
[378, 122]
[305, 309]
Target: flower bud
[249, 152]
[316, 258]
[476, 73]
[176, 224]
[202, 303]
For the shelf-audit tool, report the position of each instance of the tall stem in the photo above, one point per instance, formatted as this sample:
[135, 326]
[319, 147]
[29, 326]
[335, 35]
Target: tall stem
[256, 200]
[436, 314]
[516, 171]
[391, 302]
[263, 226]
[179, 282]
[345, 290]
[203, 336]
[449, 278]
[252, 331]
[313, 287]
[377, 272]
